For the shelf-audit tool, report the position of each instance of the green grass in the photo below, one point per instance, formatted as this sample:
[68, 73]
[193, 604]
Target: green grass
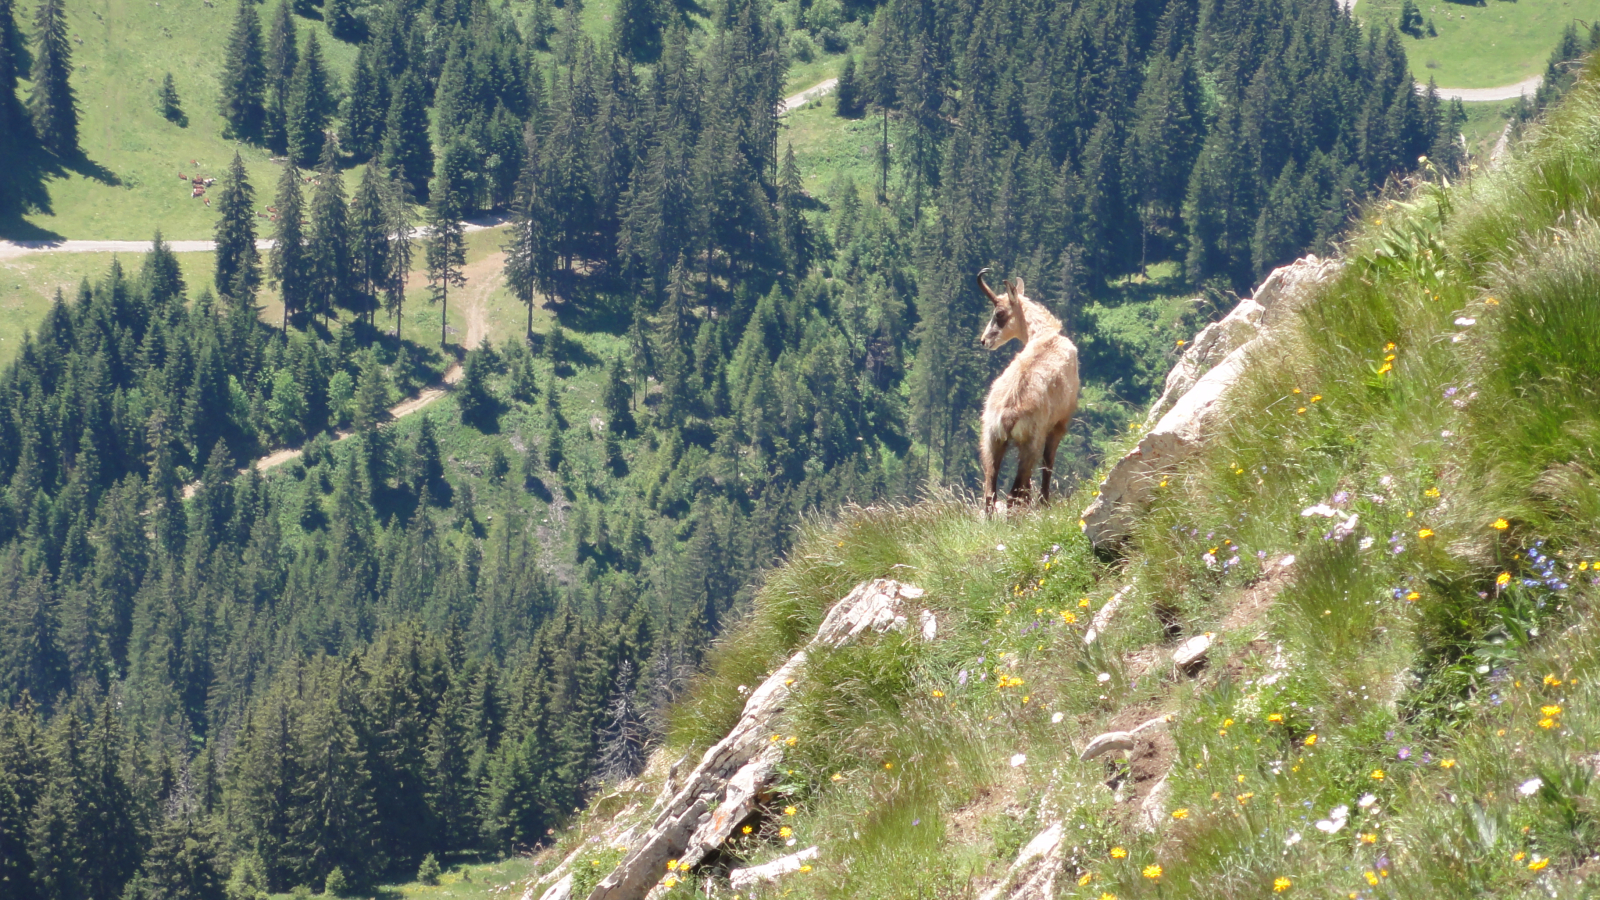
[1421, 672]
[1494, 43]
[126, 48]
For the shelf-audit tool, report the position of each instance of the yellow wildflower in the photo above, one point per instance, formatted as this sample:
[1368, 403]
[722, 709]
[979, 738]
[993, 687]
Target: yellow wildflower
[1447, 763]
[1550, 710]
[1389, 346]
[887, 766]
[745, 830]
[1518, 856]
[1369, 838]
[785, 831]
[1315, 397]
[1377, 775]
[1181, 343]
[1387, 367]
[1068, 617]
[1083, 603]
[791, 740]
[1280, 884]
[1431, 492]
[1119, 853]
[1108, 896]
[1300, 411]
[938, 693]
[672, 865]
[1275, 717]
[805, 868]
[1547, 724]
[1552, 681]
[1245, 797]
[837, 776]
[1372, 877]
[1152, 872]
[1311, 740]
[1296, 390]
[788, 810]
[1500, 525]
[1538, 864]
[1226, 723]
[1389, 358]
[669, 881]
[1503, 579]
[1425, 533]
[1412, 596]
[1085, 879]
[1180, 813]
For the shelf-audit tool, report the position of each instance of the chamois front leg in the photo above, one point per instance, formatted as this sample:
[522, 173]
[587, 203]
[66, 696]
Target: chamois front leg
[991, 451]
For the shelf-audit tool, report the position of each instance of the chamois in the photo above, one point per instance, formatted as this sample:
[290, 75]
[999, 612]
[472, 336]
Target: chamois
[1032, 402]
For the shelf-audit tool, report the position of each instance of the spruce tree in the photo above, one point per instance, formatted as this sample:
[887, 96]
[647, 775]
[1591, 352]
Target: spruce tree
[52, 102]
[406, 150]
[619, 399]
[244, 77]
[446, 248]
[306, 116]
[283, 56]
[328, 255]
[339, 19]
[287, 267]
[184, 862]
[848, 92]
[167, 98]
[397, 219]
[363, 113]
[369, 239]
[238, 262]
[530, 251]
[12, 56]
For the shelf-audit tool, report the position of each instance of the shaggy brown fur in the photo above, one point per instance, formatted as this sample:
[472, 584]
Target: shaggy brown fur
[1032, 402]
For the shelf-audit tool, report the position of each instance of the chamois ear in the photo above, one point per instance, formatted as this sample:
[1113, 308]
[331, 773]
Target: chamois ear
[984, 287]
[1016, 286]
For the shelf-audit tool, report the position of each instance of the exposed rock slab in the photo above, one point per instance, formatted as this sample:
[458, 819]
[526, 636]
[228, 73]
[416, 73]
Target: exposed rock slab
[769, 872]
[1153, 811]
[1191, 417]
[1191, 653]
[1033, 876]
[741, 764]
[1102, 618]
[1109, 742]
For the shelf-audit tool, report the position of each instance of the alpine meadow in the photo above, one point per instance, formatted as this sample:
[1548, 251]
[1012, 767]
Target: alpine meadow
[546, 449]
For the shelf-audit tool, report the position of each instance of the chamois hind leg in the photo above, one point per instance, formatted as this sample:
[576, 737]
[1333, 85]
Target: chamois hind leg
[1048, 471]
[1022, 485]
[991, 451]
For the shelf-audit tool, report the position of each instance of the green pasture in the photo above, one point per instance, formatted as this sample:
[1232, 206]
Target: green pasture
[1486, 44]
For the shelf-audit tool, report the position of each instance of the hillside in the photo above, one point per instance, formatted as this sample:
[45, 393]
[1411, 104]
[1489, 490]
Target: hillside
[1388, 542]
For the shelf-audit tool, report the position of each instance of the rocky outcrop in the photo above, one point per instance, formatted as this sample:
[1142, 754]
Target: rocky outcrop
[1033, 875]
[724, 787]
[1195, 390]
[769, 872]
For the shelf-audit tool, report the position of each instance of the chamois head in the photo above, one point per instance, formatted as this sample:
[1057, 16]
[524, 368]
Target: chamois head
[1007, 321]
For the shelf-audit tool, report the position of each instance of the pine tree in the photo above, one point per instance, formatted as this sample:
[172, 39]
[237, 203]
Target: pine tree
[53, 104]
[328, 253]
[238, 262]
[282, 58]
[287, 267]
[530, 251]
[167, 97]
[306, 115]
[446, 248]
[406, 151]
[243, 77]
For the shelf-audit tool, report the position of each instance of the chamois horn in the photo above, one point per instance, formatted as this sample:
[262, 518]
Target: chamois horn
[984, 286]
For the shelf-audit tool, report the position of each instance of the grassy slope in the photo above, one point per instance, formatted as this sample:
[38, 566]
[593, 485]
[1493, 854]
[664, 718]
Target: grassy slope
[126, 48]
[1497, 42]
[1400, 667]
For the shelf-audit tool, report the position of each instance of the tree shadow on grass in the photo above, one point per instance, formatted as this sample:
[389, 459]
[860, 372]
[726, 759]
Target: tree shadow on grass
[27, 192]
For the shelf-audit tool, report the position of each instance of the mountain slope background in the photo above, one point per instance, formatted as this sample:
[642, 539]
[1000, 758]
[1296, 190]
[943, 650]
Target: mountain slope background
[1391, 543]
